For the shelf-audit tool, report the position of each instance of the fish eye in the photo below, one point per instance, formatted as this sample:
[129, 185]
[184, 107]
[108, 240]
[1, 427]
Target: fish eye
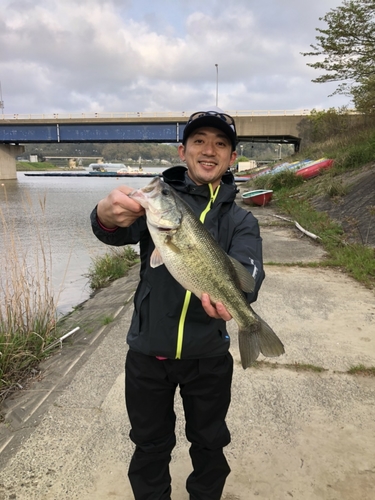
[165, 191]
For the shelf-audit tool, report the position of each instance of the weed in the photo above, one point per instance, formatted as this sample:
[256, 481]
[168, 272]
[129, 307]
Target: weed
[290, 366]
[281, 180]
[357, 260]
[27, 301]
[111, 266]
[107, 320]
[336, 188]
[362, 370]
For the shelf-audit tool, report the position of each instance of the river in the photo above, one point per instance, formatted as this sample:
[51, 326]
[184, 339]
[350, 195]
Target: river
[62, 205]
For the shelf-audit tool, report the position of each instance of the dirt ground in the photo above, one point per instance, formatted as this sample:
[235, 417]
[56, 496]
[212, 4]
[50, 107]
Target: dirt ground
[355, 211]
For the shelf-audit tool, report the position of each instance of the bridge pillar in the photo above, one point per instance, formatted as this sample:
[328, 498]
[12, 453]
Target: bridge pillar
[8, 153]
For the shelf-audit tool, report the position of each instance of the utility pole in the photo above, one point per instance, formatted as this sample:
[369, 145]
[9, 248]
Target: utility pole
[217, 84]
[1, 100]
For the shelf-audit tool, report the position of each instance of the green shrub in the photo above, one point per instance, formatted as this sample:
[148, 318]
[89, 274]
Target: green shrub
[285, 179]
[111, 266]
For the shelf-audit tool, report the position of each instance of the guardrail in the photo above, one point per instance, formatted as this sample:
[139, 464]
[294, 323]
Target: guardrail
[143, 114]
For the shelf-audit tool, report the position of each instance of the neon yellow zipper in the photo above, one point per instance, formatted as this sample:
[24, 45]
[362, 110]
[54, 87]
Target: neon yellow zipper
[181, 323]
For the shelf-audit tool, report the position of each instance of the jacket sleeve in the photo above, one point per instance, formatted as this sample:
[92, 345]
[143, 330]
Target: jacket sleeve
[118, 236]
[246, 247]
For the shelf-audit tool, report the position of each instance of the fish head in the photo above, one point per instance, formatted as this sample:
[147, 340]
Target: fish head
[161, 204]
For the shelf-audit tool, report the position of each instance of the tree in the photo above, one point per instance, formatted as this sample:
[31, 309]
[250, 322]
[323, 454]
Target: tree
[364, 96]
[348, 46]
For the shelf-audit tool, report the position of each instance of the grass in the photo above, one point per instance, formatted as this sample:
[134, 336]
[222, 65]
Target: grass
[362, 370]
[356, 259]
[111, 266]
[298, 367]
[27, 302]
[294, 197]
[28, 306]
[351, 144]
[25, 166]
[107, 320]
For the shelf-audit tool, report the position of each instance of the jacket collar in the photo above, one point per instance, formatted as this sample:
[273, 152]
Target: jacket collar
[178, 178]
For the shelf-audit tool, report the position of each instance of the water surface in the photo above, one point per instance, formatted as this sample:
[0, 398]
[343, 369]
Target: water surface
[60, 208]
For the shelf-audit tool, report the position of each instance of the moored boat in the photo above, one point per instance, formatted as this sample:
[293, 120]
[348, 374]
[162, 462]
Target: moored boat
[260, 197]
[312, 170]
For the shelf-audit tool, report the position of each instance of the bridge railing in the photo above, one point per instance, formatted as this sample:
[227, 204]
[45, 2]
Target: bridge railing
[145, 114]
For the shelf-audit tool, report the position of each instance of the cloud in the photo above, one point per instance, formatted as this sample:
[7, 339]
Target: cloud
[120, 56]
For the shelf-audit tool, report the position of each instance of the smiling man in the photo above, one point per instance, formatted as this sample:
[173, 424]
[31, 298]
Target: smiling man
[207, 149]
[174, 338]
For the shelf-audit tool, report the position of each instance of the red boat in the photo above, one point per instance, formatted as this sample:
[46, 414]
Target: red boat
[313, 170]
[260, 197]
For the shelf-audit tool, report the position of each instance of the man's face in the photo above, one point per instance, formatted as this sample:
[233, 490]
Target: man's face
[208, 154]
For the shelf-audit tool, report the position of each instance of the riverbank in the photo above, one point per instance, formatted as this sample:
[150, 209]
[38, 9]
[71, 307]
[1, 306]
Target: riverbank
[66, 436]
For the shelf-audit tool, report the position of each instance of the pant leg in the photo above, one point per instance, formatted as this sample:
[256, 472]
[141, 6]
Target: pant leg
[206, 400]
[149, 400]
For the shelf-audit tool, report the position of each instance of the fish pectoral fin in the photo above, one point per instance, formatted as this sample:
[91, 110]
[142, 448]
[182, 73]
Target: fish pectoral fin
[156, 259]
[247, 282]
[168, 241]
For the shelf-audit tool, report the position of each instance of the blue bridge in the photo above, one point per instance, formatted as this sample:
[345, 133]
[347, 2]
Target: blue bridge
[17, 130]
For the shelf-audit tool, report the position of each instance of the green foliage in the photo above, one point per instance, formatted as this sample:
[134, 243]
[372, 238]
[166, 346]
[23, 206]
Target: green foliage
[348, 138]
[27, 303]
[364, 95]
[362, 370]
[328, 123]
[111, 266]
[335, 188]
[23, 166]
[281, 180]
[347, 45]
[110, 151]
[358, 153]
[107, 320]
[358, 260]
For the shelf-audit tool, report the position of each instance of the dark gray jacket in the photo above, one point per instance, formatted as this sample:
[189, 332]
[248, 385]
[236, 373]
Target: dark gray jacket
[159, 297]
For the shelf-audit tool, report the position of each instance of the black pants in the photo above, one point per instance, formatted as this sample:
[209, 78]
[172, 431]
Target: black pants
[205, 390]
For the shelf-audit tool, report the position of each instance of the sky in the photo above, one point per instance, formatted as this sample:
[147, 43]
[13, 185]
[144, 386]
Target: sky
[104, 56]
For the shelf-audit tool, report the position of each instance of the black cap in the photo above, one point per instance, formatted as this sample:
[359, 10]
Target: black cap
[213, 117]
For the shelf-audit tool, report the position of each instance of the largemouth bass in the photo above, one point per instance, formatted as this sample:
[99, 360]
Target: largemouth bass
[200, 265]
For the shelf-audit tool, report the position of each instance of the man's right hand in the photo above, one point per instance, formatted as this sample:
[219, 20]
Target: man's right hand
[118, 210]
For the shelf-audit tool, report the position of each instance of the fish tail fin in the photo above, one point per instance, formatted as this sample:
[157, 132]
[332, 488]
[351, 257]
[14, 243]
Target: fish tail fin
[259, 338]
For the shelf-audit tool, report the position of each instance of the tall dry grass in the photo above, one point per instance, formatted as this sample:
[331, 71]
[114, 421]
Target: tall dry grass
[27, 303]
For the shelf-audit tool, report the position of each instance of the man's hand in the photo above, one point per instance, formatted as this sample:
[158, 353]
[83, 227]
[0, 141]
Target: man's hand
[117, 209]
[217, 311]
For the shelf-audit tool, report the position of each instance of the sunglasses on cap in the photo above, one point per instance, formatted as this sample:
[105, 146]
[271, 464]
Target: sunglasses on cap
[226, 118]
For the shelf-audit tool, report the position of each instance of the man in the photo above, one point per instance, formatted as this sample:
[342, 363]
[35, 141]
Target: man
[177, 343]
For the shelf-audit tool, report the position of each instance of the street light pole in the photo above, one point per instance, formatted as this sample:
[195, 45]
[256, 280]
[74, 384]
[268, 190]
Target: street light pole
[217, 84]
[1, 101]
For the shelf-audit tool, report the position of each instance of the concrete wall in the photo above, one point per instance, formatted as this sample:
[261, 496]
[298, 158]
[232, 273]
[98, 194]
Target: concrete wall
[8, 154]
[268, 125]
[246, 165]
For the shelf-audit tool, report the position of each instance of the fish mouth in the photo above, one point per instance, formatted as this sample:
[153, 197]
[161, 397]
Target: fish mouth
[165, 228]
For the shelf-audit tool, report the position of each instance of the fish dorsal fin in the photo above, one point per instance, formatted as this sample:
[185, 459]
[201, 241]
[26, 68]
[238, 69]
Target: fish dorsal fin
[247, 282]
[156, 259]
